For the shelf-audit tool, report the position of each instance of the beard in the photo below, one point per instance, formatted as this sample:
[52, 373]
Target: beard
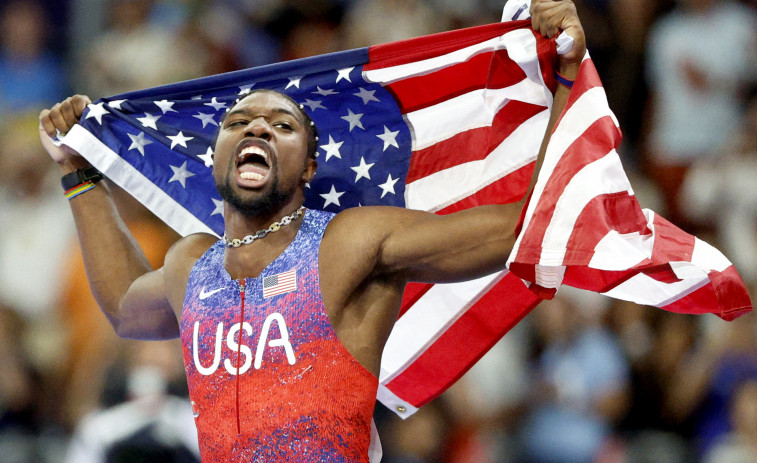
[269, 202]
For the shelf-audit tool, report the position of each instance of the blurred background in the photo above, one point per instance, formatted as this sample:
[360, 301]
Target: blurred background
[581, 379]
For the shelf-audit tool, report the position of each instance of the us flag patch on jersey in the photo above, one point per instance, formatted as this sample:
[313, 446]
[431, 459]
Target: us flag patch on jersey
[280, 283]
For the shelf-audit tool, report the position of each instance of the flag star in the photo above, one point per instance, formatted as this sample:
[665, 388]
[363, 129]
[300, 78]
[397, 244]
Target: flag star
[344, 74]
[388, 186]
[138, 142]
[366, 95]
[332, 197]
[149, 121]
[206, 119]
[218, 207]
[197, 97]
[245, 89]
[325, 92]
[207, 157]
[389, 138]
[179, 139]
[313, 104]
[116, 104]
[215, 104]
[97, 111]
[332, 148]
[166, 106]
[180, 174]
[353, 119]
[294, 82]
[362, 170]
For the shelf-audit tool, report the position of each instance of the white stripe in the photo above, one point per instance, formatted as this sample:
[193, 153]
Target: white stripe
[391, 401]
[616, 251]
[446, 187]
[469, 111]
[644, 290]
[708, 257]
[603, 176]
[130, 179]
[428, 319]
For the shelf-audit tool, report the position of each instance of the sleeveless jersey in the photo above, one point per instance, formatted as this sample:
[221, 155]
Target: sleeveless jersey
[268, 378]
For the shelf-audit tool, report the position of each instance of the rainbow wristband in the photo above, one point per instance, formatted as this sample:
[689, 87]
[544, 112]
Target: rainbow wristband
[78, 189]
[563, 80]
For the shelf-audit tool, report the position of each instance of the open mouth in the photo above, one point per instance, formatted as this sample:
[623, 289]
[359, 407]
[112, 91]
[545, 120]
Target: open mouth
[253, 163]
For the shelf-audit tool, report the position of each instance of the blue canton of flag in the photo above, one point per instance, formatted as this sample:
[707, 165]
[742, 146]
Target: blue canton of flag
[167, 134]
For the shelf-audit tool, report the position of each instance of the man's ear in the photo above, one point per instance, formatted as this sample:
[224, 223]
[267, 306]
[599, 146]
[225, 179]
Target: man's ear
[311, 165]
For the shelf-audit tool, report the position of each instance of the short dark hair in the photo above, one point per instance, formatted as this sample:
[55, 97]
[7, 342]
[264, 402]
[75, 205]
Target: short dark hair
[312, 135]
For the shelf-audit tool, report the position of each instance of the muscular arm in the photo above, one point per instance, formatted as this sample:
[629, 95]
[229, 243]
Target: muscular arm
[138, 301]
[420, 246]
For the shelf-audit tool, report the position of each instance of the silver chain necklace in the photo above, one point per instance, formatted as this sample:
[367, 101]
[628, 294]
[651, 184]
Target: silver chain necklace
[286, 220]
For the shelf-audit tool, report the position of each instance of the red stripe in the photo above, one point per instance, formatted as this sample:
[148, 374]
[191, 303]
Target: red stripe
[617, 211]
[431, 46]
[420, 92]
[480, 327]
[471, 145]
[671, 243]
[595, 143]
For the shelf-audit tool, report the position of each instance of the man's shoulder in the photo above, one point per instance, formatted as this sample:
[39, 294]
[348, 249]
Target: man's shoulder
[188, 249]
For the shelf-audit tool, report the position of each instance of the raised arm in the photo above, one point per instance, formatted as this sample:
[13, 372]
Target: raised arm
[138, 301]
[419, 246]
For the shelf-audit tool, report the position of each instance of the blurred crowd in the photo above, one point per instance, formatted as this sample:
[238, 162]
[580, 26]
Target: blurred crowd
[582, 379]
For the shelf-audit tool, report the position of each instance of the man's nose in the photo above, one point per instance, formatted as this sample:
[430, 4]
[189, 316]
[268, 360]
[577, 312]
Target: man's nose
[259, 128]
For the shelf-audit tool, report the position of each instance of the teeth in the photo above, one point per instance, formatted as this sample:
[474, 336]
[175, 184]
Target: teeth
[254, 150]
[251, 176]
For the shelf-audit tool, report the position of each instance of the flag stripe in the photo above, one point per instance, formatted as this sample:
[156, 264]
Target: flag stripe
[444, 188]
[418, 92]
[482, 325]
[471, 145]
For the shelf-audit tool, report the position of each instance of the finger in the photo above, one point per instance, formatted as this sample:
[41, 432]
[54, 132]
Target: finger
[46, 123]
[68, 112]
[58, 119]
[80, 103]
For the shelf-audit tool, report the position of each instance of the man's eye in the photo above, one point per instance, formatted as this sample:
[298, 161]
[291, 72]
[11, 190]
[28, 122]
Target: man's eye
[284, 125]
[236, 123]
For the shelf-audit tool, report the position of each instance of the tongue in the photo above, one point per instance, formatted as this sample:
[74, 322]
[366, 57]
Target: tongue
[254, 168]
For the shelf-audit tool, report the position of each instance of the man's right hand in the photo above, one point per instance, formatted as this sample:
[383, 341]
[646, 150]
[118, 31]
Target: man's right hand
[60, 118]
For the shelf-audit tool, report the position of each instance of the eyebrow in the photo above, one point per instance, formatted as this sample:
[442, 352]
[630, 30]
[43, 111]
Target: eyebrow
[274, 111]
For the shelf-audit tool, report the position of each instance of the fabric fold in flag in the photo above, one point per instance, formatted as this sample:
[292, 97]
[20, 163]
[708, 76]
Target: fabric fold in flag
[584, 227]
[438, 123]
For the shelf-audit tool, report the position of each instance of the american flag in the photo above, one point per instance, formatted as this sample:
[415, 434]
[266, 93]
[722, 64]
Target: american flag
[281, 283]
[439, 123]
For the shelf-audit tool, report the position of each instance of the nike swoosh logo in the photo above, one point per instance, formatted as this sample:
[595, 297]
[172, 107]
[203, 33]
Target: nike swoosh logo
[205, 295]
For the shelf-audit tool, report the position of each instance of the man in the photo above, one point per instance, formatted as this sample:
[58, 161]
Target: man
[283, 328]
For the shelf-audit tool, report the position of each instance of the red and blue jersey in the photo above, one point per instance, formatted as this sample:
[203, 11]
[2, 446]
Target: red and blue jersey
[268, 377]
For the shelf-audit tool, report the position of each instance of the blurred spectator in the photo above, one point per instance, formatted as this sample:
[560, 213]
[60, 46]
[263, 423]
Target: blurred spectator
[371, 22]
[152, 425]
[486, 403]
[722, 189]
[739, 445]
[135, 53]
[705, 382]
[35, 223]
[656, 342]
[19, 386]
[31, 77]
[700, 56]
[579, 383]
